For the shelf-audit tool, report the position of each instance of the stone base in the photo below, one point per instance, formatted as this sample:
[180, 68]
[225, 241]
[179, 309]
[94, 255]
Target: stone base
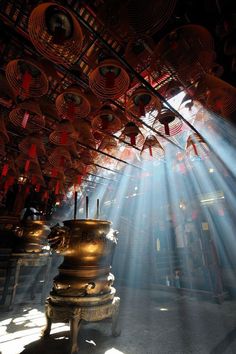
[74, 314]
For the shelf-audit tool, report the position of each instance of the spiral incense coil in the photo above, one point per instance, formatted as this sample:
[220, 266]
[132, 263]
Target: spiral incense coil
[147, 17]
[217, 95]
[64, 134]
[132, 135]
[60, 158]
[109, 80]
[55, 33]
[142, 101]
[187, 52]
[107, 121]
[138, 52]
[26, 78]
[167, 123]
[73, 104]
[53, 172]
[84, 130]
[28, 116]
[32, 146]
[196, 147]
[152, 149]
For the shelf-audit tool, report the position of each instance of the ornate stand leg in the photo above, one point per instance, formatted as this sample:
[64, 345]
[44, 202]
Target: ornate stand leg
[74, 330]
[116, 331]
[47, 329]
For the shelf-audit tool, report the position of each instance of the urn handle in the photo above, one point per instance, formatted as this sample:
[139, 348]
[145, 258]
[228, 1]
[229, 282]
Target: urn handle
[59, 238]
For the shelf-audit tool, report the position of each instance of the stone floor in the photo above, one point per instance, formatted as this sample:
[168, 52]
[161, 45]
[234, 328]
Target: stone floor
[152, 321]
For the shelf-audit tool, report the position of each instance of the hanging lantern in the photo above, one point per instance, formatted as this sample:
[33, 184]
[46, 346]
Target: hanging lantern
[134, 135]
[167, 123]
[142, 101]
[32, 146]
[187, 52]
[109, 80]
[28, 116]
[73, 104]
[64, 134]
[196, 147]
[60, 158]
[106, 120]
[26, 78]
[148, 17]
[55, 32]
[152, 149]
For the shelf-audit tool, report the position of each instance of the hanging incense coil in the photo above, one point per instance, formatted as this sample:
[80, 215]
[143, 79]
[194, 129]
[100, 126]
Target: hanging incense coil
[28, 165]
[152, 149]
[53, 172]
[187, 52]
[3, 132]
[84, 130]
[138, 52]
[218, 95]
[167, 123]
[64, 134]
[109, 80]
[107, 121]
[56, 34]
[60, 158]
[108, 145]
[148, 17]
[28, 116]
[196, 147]
[142, 101]
[26, 78]
[73, 104]
[8, 167]
[32, 146]
[132, 134]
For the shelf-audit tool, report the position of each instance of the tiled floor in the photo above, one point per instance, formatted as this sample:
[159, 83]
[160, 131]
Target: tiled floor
[153, 322]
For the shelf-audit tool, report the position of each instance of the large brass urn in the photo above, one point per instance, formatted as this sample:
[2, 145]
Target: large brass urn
[87, 246]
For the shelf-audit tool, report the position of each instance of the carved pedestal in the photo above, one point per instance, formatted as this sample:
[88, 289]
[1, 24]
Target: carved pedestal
[74, 313]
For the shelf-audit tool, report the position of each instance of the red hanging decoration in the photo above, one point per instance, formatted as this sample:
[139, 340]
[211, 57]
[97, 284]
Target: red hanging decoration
[167, 129]
[45, 196]
[79, 180]
[57, 188]
[25, 119]
[110, 79]
[142, 108]
[26, 81]
[150, 150]
[34, 180]
[64, 138]
[32, 151]
[5, 169]
[37, 188]
[195, 149]
[132, 139]
[9, 182]
[54, 172]
[27, 165]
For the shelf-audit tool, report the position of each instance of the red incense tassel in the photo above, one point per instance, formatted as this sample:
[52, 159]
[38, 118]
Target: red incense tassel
[167, 129]
[132, 139]
[26, 81]
[5, 170]
[45, 196]
[150, 150]
[37, 188]
[195, 149]
[71, 111]
[27, 165]
[54, 172]
[64, 138]
[25, 119]
[32, 151]
[57, 188]
[110, 79]
[141, 108]
[79, 180]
